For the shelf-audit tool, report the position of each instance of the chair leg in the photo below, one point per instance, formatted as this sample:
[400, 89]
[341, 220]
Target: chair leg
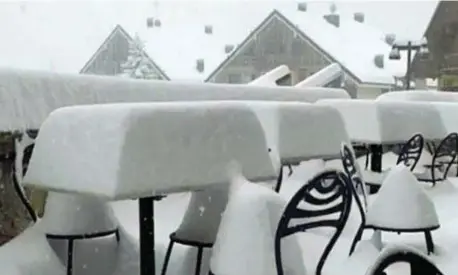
[429, 242]
[167, 257]
[199, 259]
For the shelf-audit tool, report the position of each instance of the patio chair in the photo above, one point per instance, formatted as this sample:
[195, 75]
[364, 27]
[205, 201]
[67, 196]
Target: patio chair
[409, 155]
[200, 223]
[419, 263]
[446, 153]
[330, 192]
[411, 151]
[350, 167]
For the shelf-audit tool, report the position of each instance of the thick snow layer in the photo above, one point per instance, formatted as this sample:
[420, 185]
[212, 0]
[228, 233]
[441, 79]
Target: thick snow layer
[203, 214]
[370, 121]
[245, 240]
[30, 253]
[301, 131]
[418, 95]
[322, 77]
[140, 149]
[73, 215]
[271, 77]
[448, 111]
[28, 97]
[402, 203]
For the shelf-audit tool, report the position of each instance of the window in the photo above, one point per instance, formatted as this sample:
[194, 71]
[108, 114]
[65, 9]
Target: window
[235, 78]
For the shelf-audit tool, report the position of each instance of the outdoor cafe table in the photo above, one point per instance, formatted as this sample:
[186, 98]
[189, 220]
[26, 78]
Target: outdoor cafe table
[141, 150]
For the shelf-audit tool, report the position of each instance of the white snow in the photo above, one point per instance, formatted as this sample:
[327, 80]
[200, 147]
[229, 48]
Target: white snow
[245, 240]
[402, 203]
[203, 214]
[370, 121]
[74, 215]
[141, 149]
[419, 95]
[322, 77]
[271, 77]
[301, 130]
[28, 97]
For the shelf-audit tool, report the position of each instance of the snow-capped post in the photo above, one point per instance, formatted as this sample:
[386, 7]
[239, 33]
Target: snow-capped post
[138, 65]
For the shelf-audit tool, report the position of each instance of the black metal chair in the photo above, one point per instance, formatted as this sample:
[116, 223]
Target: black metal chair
[419, 264]
[352, 171]
[330, 194]
[411, 151]
[71, 241]
[280, 177]
[448, 148]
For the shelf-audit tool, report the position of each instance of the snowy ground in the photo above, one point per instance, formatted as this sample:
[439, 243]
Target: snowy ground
[170, 211]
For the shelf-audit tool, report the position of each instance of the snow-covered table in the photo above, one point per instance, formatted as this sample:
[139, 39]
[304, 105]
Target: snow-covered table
[28, 97]
[300, 131]
[140, 150]
[387, 122]
[403, 206]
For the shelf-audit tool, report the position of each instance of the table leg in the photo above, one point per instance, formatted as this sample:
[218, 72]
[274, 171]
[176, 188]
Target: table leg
[147, 244]
[429, 242]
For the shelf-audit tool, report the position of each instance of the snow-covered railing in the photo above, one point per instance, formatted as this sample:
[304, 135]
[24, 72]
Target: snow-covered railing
[377, 122]
[136, 150]
[27, 97]
[273, 77]
[419, 95]
[322, 77]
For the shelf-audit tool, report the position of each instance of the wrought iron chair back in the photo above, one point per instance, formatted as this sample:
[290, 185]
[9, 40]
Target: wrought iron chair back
[351, 168]
[448, 148]
[418, 263]
[411, 151]
[325, 201]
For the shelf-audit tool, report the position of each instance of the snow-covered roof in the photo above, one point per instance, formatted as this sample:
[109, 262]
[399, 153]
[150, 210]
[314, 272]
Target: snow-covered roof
[353, 44]
[371, 121]
[28, 97]
[140, 149]
[62, 42]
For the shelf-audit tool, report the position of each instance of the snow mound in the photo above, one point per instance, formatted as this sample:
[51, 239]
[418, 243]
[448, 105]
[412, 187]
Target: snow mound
[376, 122]
[245, 240]
[402, 203]
[121, 151]
[322, 77]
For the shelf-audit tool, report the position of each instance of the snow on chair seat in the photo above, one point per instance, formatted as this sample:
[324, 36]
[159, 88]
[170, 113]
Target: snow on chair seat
[143, 149]
[28, 97]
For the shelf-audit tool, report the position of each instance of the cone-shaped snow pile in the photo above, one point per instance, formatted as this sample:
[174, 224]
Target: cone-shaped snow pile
[402, 203]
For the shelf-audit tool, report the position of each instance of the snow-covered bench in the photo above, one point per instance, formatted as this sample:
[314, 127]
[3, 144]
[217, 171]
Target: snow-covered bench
[132, 150]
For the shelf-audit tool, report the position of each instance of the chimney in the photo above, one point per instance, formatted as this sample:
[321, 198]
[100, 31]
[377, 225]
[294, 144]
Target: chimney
[149, 22]
[200, 66]
[390, 39]
[208, 29]
[379, 61]
[302, 6]
[228, 48]
[359, 17]
[333, 19]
